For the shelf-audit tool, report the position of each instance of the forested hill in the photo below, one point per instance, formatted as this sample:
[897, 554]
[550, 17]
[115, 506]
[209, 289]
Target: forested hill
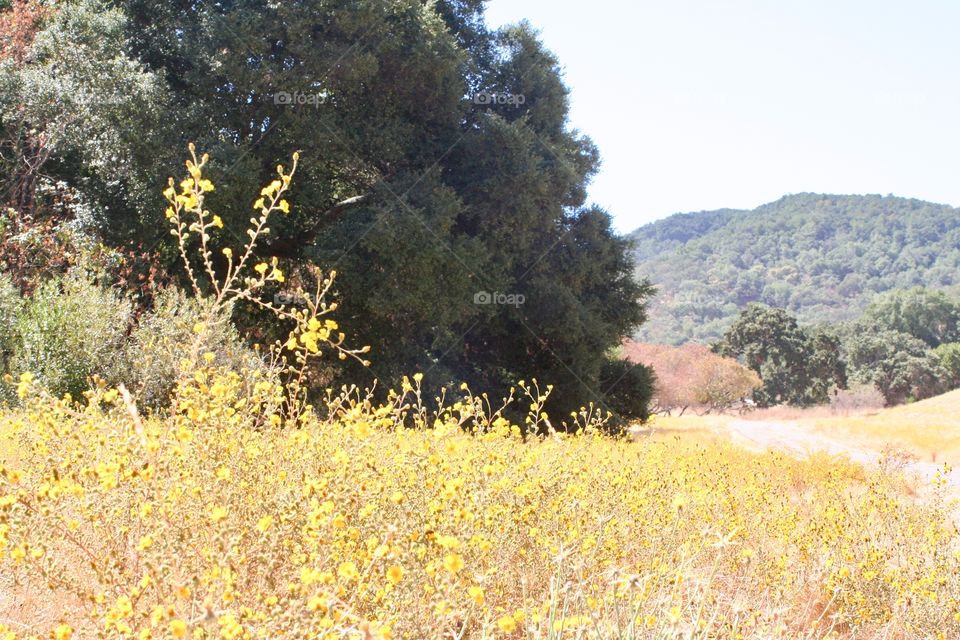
[822, 257]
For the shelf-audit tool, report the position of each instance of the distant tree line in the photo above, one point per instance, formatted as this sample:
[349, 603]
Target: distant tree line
[822, 258]
[906, 345]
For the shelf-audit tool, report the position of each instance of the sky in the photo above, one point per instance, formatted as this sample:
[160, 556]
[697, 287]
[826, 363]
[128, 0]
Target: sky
[701, 104]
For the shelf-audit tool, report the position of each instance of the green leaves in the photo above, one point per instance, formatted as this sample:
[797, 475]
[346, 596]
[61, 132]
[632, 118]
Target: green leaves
[899, 365]
[926, 315]
[822, 257]
[948, 358]
[69, 330]
[421, 196]
[796, 367]
[904, 345]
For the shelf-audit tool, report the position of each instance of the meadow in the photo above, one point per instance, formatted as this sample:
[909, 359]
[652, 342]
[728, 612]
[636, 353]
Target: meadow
[928, 430]
[388, 520]
[192, 446]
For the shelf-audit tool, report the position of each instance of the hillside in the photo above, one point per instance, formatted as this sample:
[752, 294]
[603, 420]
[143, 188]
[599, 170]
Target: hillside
[823, 257]
[937, 441]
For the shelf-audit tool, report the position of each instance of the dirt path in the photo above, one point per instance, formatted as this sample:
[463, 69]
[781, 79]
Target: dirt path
[800, 441]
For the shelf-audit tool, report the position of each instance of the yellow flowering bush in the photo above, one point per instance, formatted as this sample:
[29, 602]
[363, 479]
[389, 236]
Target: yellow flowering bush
[200, 526]
[367, 519]
[244, 281]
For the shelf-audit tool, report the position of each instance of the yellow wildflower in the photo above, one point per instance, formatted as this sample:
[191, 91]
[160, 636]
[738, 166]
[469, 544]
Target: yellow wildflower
[178, 628]
[395, 574]
[507, 624]
[476, 594]
[453, 563]
[348, 571]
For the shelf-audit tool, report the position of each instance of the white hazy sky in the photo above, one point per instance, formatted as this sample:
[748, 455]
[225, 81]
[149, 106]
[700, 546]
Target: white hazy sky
[703, 104]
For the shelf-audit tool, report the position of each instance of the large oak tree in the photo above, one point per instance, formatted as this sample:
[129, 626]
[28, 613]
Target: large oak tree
[420, 189]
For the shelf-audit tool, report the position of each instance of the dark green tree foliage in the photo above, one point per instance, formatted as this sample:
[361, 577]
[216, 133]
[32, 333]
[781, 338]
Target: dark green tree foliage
[629, 388]
[898, 364]
[79, 109]
[796, 367]
[827, 367]
[948, 358]
[930, 316]
[901, 344]
[418, 194]
[821, 257]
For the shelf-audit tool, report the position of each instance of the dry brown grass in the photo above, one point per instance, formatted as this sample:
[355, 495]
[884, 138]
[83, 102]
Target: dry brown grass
[929, 429]
[857, 402]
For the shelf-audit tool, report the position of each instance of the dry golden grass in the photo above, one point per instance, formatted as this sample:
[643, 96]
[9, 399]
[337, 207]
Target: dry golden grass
[200, 526]
[929, 429]
[689, 429]
[806, 413]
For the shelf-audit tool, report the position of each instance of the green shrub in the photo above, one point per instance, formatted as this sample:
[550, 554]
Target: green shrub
[165, 336]
[11, 306]
[627, 389]
[70, 330]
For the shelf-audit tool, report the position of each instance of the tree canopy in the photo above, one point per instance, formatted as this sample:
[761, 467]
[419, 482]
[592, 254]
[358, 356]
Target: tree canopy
[930, 316]
[821, 257]
[905, 344]
[433, 200]
[797, 367]
[693, 377]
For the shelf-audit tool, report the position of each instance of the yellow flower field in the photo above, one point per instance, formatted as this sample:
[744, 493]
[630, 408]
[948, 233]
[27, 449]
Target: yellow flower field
[246, 512]
[199, 526]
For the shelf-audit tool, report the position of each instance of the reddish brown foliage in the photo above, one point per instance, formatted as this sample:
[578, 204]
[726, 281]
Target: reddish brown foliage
[31, 251]
[28, 150]
[35, 249]
[692, 376]
[18, 27]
